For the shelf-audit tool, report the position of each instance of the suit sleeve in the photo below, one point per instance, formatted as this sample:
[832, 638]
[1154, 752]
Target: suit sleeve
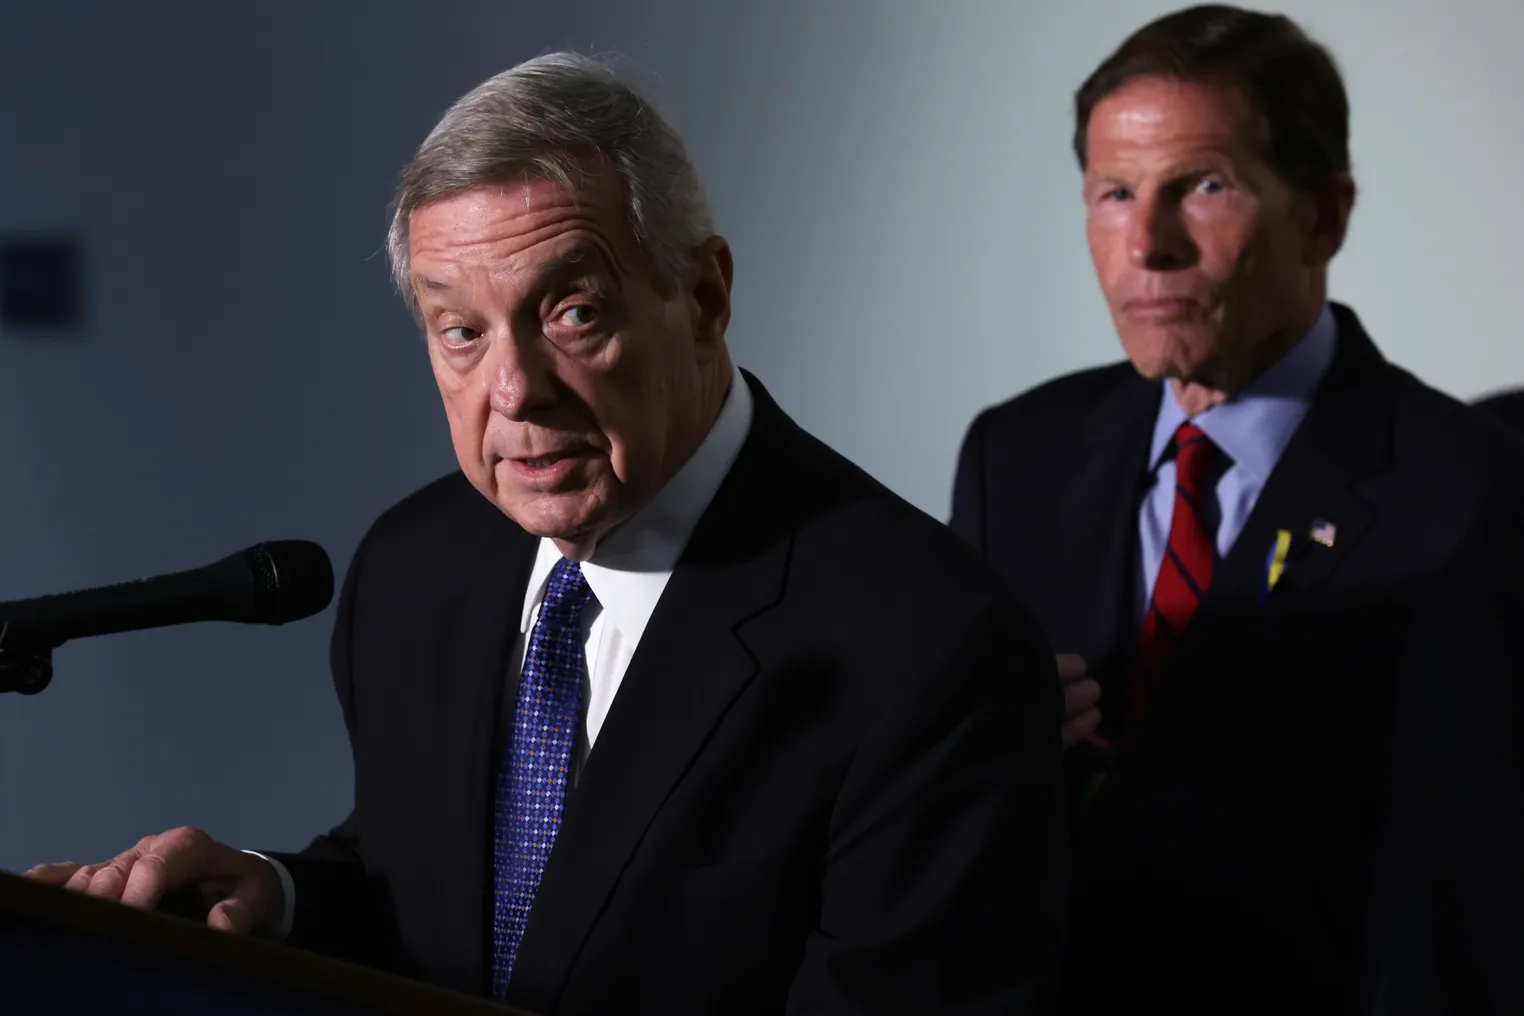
[1448, 931]
[946, 870]
[340, 909]
[968, 486]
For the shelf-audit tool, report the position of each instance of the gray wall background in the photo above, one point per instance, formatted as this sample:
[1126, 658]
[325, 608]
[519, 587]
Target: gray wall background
[895, 179]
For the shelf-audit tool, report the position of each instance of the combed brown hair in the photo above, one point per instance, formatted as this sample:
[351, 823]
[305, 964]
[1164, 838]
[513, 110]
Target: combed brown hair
[1289, 79]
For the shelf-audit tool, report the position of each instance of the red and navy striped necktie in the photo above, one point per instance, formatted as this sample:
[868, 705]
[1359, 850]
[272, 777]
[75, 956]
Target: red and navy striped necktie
[1184, 573]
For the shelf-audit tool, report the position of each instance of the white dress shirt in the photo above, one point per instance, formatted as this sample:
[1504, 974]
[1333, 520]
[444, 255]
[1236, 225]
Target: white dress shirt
[627, 573]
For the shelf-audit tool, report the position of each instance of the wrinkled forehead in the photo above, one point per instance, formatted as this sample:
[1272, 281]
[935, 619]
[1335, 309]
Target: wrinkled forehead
[526, 199]
[519, 226]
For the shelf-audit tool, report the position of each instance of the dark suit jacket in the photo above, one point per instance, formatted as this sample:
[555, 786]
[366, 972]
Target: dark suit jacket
[1505, 406]
[1449, 915]
[1448, 928]
[829, 782]
[1224, 866]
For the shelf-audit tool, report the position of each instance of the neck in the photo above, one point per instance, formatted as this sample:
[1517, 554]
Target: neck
[580, 549]
[1196, 398]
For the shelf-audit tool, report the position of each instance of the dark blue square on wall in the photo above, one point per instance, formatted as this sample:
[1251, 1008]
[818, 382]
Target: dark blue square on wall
[41, 283]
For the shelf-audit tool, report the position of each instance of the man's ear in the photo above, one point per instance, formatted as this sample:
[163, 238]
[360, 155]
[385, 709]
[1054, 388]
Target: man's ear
[1331, 205]
[709, 293]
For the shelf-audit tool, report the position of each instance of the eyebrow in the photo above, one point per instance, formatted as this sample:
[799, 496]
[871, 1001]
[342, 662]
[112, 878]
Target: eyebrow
[583, 259]
[1200, 165]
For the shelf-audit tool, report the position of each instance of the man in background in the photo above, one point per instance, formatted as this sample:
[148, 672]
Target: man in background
[1231, 537]
[658, 705]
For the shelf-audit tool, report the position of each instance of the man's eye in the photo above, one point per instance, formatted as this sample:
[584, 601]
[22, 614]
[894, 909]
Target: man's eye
[460, 335]
[1117, 194]
[577, 316]
[1209, 186]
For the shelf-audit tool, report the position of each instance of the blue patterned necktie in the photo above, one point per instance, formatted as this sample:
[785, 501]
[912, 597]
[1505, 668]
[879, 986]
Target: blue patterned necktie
[531, 785]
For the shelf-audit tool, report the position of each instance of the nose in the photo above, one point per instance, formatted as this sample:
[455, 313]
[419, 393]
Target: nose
[523, 377]
[1157, 238]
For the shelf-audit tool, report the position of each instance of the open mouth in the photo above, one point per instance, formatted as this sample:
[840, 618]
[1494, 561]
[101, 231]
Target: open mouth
[550, 468]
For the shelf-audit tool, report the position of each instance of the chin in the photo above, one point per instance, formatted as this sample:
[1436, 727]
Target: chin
[1158, 354]
[569, 516]
[545, 516]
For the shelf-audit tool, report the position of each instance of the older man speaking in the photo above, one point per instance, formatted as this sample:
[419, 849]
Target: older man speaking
[658, 705]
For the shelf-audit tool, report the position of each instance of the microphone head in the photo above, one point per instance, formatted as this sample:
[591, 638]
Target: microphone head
[293, 579]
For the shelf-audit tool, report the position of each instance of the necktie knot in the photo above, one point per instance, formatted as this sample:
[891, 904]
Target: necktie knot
[567, 593]
[1194, 452]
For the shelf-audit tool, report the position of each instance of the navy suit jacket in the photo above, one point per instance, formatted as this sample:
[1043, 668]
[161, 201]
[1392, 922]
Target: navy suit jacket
[1226, 864]
[829, 782]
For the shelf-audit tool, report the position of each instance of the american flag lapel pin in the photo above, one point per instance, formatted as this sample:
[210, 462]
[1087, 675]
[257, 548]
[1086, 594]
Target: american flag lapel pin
[1323, 532]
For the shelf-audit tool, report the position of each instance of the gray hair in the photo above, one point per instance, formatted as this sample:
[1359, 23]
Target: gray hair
[540, 117]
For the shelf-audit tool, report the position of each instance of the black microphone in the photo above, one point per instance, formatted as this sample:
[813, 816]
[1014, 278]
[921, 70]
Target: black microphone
[269, 583]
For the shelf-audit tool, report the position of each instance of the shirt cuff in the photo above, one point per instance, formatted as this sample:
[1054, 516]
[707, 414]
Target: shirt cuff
[288, 891]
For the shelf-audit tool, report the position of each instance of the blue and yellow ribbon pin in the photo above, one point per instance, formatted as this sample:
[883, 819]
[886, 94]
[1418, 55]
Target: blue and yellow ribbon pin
[1275, 561]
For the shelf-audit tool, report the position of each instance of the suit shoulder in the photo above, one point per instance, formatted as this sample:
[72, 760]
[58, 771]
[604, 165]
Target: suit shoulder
[888, 545]
[904, 594]
[446, 520]
[1059, 400]
[1506, 406]
[1452, 436]
[423, 508]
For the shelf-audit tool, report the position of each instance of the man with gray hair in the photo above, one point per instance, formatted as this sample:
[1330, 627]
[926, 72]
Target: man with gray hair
[658, 705]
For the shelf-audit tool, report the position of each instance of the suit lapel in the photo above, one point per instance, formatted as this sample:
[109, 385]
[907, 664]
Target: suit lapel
[1343, 441]
[689, 667]
[1307, 488]
[1099, 526]
[484, 616]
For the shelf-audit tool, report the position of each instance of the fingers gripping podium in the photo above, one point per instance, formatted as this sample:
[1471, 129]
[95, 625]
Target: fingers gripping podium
[64, 952]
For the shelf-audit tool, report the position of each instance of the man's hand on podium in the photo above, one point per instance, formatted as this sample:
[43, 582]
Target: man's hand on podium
[238, 892]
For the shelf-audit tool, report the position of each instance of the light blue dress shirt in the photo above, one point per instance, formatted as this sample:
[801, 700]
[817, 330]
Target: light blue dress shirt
[1251, 430]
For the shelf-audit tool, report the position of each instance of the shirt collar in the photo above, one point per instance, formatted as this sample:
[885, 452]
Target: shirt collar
[629, 570]
[1254, 427]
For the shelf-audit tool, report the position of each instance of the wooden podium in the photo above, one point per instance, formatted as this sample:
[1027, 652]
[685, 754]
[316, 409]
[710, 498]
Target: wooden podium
[63, 952]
